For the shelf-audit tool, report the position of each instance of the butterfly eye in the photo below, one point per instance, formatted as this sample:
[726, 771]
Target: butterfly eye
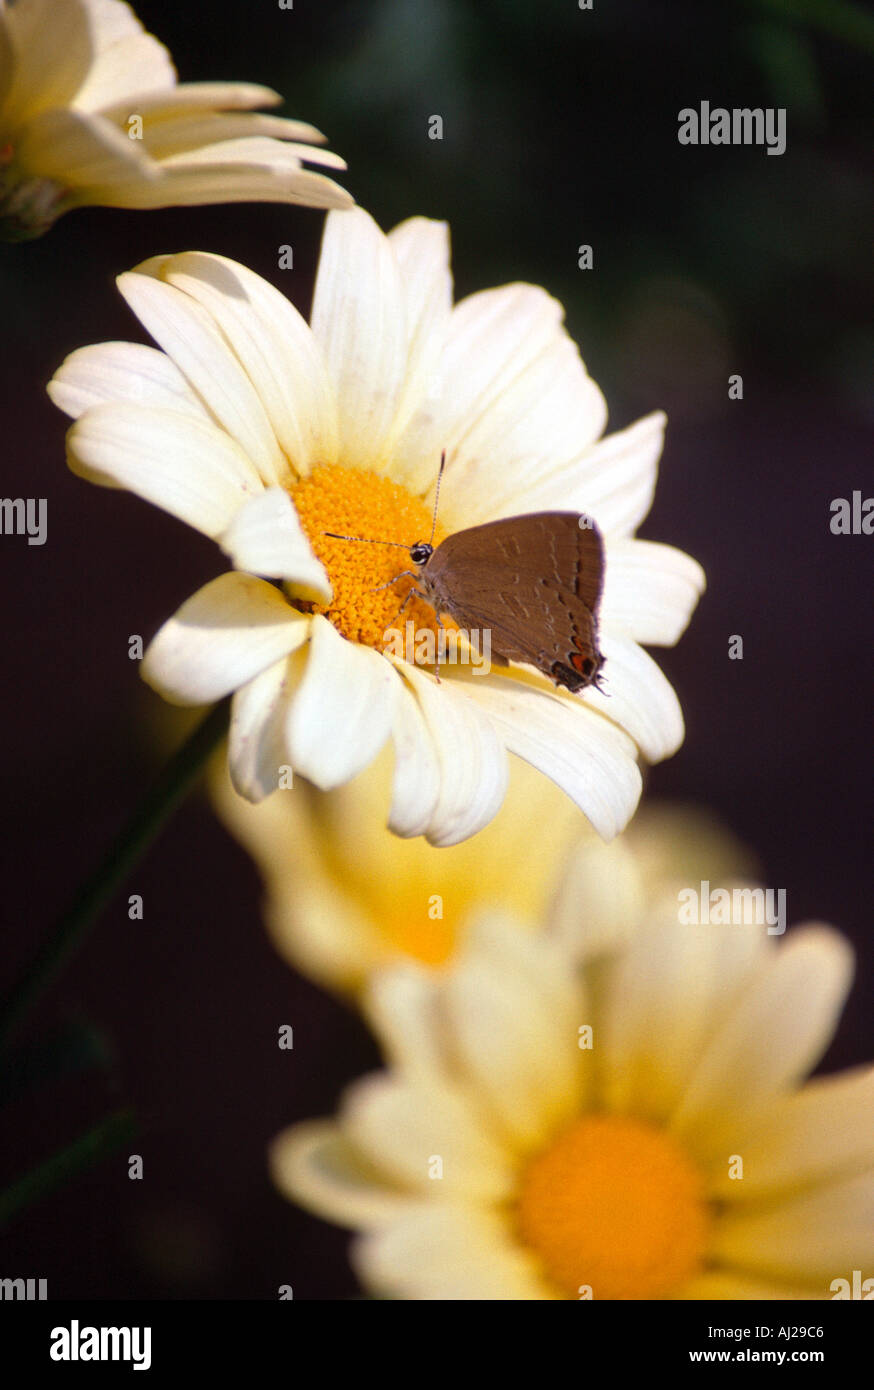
[421, 552]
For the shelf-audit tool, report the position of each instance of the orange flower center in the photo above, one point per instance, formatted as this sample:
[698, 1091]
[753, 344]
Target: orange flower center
[613, 1205]
[367, 582]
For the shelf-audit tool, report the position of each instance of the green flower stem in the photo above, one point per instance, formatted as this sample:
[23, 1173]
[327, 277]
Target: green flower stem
[96, 1143]
[173, 784]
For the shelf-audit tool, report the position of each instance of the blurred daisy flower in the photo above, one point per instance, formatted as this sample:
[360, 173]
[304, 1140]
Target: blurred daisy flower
[265, 433]
[344, 896]
[602, 1111]
[91, 113]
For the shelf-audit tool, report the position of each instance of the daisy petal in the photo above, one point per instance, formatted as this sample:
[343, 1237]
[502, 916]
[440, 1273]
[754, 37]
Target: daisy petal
[638, 697]
[650, 591]
[266, 537]
[821, 1236]
[312, 1164]
[793, 1001]
[518, 1051]
[275, 346]
[438, 1251]
[102, 158]
[676, 983]
[515, 394]
[51, 51]
[473, 765]
[228, 632]
[179, 462]
[402, 1007]
[591, 759]
[342, 708]
[358, 318]
[613, 481]
[421, 248]
[256, 747]
[402, 1126]
[816, 1134]
[416, 776]
[189, 336]
[121, 373]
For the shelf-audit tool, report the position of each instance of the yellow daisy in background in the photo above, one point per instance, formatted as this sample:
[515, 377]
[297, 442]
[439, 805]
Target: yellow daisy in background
[265, 433]
[91, 113]
[344, 896]
[602, 1111]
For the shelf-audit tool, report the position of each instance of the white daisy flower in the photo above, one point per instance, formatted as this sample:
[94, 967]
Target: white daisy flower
[91, 113]
[625, 1119]
[265, 433]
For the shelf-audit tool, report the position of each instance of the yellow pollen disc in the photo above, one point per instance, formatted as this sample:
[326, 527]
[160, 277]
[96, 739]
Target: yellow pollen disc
[364, 504]
[613, 1204]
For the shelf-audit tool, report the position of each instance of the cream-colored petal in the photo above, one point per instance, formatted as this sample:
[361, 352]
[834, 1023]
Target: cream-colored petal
[312, 1164]
[599, 899]
[473, 765]
[674, 983]
[514, 1032]
[359, 319]
[444, 1251]
[189, 335]
[818, 1237]
[275, 346]
[121, 372]
[342, 708]
[256, 746]
[190, 97]
[231, 630]
[613, 481]
[818, 1133]
[514, 393]
[182, 464]
[84, 155]
[167, 135]
[266, 537]
[409, 1129]
[650, 591]
[421, 248]
[772, 1038]
[638, 696]
[586, 755]
[52, 48]
[417, 770]
[127, 59]
[403, 1007]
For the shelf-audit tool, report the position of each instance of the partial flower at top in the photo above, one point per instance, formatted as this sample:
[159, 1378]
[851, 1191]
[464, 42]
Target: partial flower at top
[266, 434]
[91, 113]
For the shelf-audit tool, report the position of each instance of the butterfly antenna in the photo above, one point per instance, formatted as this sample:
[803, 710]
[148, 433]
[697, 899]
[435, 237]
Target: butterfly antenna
[437, 495]
[364, 540]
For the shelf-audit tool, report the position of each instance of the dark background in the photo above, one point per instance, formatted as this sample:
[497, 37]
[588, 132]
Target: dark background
[559, 129]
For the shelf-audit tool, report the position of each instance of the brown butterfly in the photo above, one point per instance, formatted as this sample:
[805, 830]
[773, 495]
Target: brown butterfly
[534, 581]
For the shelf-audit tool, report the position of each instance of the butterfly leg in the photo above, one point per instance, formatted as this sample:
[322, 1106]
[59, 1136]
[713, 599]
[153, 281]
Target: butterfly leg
[389, 583]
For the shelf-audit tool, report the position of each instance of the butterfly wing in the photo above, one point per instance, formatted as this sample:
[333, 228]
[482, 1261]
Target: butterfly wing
[535, 581]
